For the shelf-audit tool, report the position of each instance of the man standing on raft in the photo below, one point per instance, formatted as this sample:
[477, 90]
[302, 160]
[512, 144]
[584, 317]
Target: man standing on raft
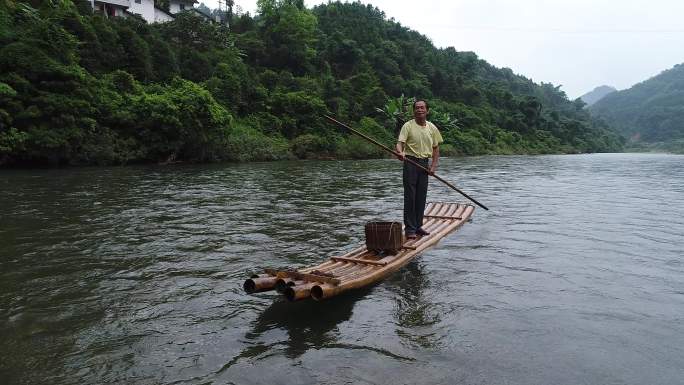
[418, 141]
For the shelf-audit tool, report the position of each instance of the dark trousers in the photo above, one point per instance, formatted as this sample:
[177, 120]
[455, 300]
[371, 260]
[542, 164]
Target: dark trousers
[415, 194]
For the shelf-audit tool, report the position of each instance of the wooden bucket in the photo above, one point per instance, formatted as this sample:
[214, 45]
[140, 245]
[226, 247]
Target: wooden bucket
[383, 236]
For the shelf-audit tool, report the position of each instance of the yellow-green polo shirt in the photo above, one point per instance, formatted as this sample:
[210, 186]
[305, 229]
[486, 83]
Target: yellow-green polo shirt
[419, 140]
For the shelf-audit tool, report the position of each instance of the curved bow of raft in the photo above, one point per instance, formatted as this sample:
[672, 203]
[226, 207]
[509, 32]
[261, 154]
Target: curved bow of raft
[361, 266]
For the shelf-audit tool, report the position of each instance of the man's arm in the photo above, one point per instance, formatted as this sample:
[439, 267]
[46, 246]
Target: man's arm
[400, 150]
[435, 159]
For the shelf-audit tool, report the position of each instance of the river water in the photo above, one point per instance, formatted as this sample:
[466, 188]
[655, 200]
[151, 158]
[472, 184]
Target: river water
[134, 275]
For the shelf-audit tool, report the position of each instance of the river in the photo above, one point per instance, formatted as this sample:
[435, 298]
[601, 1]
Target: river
[134, 274]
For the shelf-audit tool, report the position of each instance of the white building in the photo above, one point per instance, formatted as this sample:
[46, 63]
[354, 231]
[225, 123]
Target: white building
[161, 16]
[111, 8]
[144, 8]
[176, 6]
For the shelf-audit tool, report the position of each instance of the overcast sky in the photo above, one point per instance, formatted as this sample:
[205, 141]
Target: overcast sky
[578, 44]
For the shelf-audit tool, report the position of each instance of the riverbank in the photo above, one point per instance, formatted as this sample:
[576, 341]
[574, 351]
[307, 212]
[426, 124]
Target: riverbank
[673, 147]
[287, 155]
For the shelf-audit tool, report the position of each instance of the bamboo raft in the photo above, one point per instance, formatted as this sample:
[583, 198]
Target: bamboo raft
[360, 267]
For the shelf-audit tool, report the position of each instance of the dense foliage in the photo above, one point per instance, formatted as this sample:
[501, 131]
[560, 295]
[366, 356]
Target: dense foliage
[650, 113]
[78, 88]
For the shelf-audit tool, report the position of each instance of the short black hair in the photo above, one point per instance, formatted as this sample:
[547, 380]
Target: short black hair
[427, 106]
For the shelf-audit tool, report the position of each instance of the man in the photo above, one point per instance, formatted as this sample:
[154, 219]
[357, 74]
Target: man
[418, 141]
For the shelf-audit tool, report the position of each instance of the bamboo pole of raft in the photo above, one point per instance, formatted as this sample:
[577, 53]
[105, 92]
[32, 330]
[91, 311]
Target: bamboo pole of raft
[257, 283]
[281, 284]
[330, 118]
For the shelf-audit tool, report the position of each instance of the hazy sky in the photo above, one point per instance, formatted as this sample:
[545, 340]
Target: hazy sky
[579, 44]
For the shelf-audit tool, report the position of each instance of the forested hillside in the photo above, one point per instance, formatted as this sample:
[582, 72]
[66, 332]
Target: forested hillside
[650, 113]
[78, 88]
[597, 94]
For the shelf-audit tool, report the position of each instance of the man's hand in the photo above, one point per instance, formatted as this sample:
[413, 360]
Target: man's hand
[435, 160]
[400, 151]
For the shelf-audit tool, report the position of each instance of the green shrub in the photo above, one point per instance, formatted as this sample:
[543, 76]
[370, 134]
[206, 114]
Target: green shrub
[245, 143]
[309, 146]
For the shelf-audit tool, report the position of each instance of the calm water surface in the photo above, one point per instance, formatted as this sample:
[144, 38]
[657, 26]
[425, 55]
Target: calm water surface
[133, 275]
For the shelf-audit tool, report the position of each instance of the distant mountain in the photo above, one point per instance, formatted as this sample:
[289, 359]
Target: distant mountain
[649, 112]
[597, 94]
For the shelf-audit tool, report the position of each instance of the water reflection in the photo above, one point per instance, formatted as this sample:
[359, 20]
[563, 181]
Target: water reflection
[414, 310]
[308, 324]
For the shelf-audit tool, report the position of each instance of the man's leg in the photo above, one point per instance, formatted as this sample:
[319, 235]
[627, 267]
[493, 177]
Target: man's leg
[421, 195]
[410, 178]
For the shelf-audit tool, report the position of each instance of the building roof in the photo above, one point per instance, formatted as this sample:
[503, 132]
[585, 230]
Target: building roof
[165, 12]
[201, 13]
[120, 3]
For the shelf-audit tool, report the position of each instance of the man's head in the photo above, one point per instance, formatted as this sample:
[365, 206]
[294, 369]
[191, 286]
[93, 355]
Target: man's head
[420, 109]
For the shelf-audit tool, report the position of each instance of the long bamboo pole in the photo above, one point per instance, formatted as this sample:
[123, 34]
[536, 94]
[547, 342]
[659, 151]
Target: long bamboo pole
[330, 118]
